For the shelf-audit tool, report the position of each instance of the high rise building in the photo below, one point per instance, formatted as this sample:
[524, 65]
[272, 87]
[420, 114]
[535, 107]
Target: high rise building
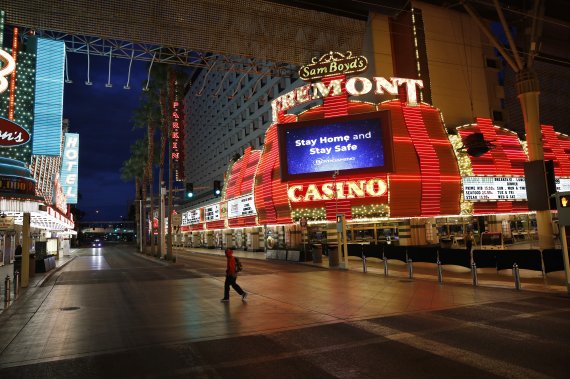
[226, 112]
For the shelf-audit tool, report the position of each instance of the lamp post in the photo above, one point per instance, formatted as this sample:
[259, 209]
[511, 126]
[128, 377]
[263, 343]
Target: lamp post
[140, 231]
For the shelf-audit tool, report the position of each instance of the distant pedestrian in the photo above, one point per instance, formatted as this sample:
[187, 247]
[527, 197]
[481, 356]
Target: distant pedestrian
[468, 241]
[231, 277]
[18, 250]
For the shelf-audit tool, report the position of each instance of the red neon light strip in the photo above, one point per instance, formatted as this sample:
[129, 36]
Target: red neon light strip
[501, 162]
[429, 161]
[553, 150]
[336, 105]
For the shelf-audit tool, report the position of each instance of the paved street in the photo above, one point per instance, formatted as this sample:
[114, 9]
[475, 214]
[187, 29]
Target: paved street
[112, 313]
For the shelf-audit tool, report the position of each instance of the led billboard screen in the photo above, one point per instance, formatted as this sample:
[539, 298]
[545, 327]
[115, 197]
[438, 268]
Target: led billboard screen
[320, 147]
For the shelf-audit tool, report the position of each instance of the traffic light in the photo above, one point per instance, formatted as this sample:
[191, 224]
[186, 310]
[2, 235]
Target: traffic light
[217, 188]
[189, 191]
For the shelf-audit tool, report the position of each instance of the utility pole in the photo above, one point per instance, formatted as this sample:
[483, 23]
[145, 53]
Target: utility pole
[528, 90]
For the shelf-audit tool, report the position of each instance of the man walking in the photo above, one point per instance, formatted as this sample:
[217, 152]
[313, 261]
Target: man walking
[231, 277]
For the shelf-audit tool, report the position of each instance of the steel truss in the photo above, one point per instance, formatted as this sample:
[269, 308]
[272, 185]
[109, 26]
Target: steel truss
[97, 46]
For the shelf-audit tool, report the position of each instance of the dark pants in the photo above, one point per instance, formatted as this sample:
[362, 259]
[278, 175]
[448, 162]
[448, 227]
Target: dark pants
[231, 281]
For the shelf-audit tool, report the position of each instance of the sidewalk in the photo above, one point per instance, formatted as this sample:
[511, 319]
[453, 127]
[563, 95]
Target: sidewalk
[35, 281]
[530, 280]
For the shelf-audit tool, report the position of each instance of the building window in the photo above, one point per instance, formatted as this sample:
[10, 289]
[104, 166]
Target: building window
[491, 63]
[498, 116]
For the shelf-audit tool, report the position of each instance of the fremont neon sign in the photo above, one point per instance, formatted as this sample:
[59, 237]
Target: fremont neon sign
[355, 86]
[337, 190]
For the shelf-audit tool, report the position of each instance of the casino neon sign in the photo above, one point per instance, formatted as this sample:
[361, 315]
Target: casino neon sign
[337, 190]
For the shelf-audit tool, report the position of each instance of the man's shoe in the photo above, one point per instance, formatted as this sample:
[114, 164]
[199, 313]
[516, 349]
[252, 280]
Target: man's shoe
[225, 300]
[244, 296]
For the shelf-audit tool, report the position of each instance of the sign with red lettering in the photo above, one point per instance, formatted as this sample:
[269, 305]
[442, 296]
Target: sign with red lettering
[12, 134]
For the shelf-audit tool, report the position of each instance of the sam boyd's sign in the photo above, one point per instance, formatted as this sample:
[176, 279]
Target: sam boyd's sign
[333, 63]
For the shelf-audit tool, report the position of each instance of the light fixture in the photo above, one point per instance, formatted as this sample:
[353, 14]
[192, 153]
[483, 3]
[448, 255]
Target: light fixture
[109, 85]
[148, 76]
[126, 86]
[67, 80]
[88, 82]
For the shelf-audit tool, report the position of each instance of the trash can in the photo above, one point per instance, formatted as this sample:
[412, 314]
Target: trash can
[333, 256]
[317, 253]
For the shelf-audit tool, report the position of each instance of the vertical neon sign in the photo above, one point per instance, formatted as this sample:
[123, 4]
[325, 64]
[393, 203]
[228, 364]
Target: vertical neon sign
[13, 78]
[70, 167]
[176, 133]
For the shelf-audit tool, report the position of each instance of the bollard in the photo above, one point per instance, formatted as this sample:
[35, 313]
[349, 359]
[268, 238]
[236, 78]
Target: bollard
[7, 289]
[16, 284]
[474, 274]
[385, 266]
[439, 272]
[517, 276]
[364, 268]
[410, 269]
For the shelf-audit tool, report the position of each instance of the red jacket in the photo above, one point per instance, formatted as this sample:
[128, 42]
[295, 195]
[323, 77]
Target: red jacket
[231, 263]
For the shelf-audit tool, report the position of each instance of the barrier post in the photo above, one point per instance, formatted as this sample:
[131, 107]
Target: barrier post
[16, 284]
[385, 266]
[474, 274]
[439, 272]
[410, 269]
[7, 289]
[517, 276]
[364, 268]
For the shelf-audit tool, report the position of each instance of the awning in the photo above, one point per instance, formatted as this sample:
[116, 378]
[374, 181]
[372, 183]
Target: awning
[48, 219]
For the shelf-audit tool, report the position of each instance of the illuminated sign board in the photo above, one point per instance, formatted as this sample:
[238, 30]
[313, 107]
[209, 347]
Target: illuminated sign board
[212, 212]
[355, 142]
[12, 134]
[191, 217]
[241, 206]
[355, 86]
[338, 190]
[70, 167]
[478, 188]
[333, 63]
[563, 184]
[48, 103]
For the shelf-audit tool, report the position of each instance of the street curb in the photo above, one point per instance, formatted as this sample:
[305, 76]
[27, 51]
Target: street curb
[50, 273]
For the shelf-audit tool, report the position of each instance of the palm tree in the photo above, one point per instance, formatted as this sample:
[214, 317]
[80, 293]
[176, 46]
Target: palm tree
[148, 115]
[135, 169]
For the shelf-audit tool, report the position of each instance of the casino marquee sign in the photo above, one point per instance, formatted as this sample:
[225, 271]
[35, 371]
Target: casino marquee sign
[333, 63]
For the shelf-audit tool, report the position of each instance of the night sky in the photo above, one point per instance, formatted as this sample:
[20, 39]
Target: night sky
[103, 118]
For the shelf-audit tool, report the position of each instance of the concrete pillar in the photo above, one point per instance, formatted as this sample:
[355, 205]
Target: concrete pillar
[294, 236]
[25, 274]
[210, 239]
[405, 232]
[418, 231]
[253, 238]
[195, 239]
[228, 238]
[494, 224]
[528, 91]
